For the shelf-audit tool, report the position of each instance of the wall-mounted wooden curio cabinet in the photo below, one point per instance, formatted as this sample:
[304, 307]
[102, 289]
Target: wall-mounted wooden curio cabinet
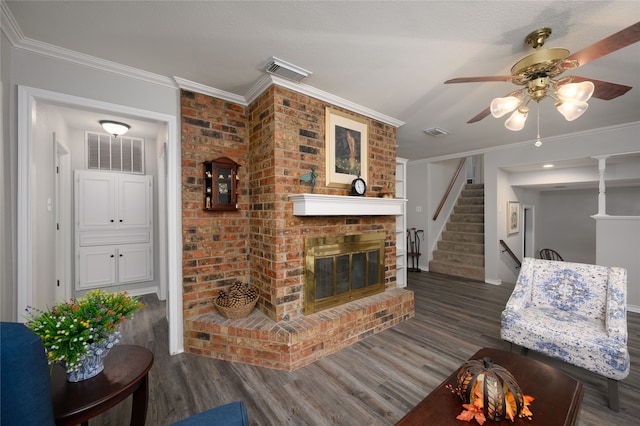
[221, 184]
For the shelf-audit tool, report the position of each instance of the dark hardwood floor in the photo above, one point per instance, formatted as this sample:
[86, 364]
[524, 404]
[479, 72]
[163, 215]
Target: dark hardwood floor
[374, 382]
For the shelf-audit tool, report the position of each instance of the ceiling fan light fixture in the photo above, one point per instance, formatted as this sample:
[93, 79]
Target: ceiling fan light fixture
[114, 127]
[572, 109]
[576, 91]
[502, 106]
[516, 122]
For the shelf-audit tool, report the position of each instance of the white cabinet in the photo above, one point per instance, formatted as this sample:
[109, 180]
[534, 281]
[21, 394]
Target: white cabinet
[109, 201]
[134, 263]
[96, 267]
[401, 223]
[113, 232]
[103, 266]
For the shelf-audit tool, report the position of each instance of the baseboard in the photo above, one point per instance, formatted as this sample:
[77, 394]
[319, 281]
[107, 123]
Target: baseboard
[492, 281]
[633, 308]
[144, 290]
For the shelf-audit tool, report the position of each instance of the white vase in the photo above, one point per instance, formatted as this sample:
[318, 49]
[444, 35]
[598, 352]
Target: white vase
[92, 363]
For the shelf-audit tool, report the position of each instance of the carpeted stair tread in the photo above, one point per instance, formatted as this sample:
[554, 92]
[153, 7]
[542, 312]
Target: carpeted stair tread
[460, 251]
[457, 269]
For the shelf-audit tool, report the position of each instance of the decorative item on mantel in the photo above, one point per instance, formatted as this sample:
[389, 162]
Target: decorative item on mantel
[489, 391]
[310, 177]
[238, 302]
[79, 333]
[387, 192]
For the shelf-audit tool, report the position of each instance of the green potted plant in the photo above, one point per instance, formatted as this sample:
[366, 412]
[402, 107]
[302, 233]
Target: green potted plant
[80, 332]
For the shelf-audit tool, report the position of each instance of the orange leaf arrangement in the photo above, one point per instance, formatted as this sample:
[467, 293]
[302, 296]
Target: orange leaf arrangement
[489, 392]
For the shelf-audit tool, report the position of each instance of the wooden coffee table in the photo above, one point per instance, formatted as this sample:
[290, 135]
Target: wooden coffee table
[557, 395]
[126, 372]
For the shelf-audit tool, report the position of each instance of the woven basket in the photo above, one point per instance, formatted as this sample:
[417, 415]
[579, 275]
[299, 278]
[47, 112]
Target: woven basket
[236, 311]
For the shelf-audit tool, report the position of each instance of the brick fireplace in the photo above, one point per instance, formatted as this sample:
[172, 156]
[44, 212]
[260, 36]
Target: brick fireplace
[276, 139]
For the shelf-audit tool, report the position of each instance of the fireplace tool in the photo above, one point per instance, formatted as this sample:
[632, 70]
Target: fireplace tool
[413, 245]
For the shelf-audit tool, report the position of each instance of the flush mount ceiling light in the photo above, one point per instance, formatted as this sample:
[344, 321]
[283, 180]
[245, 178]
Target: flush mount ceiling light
[286, 70]
[537, 72]
[114, 127]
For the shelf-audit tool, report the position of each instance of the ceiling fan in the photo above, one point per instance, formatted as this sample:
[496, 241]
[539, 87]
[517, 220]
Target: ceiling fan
[538, 72]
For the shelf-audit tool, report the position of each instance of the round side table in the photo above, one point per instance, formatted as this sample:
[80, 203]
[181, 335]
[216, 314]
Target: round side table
[126, 372]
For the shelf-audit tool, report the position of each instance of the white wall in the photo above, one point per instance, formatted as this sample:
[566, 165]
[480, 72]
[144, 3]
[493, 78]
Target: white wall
[564, 224]
[624, 201]
[48, 120]
[566, 213]
[6, 235]
[622, 232]
[86, 82]
[427, 183]
[498, 184]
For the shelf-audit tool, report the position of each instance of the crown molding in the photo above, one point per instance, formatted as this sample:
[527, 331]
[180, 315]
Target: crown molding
[13, 32]
[211, 91]
[548, 139]
[78, 58]
[267, 80]
[10, 27]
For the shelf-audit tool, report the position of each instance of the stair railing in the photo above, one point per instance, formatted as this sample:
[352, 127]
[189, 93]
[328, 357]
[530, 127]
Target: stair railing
[448, 192]
[511, 254]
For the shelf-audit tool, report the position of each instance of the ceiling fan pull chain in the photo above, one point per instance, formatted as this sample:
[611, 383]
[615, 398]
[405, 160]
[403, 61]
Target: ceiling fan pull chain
[538, 141]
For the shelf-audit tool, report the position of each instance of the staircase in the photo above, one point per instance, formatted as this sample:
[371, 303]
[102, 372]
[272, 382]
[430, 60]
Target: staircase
[460, 251]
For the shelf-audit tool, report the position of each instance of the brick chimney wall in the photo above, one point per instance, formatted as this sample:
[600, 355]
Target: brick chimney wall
[215, 245]
[276, 140]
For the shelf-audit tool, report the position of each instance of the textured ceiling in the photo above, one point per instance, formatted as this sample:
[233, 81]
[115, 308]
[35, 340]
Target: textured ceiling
[391, 57]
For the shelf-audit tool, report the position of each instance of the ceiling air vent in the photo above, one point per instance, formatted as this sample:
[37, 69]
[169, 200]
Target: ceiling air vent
[284, 69]
[436, 131]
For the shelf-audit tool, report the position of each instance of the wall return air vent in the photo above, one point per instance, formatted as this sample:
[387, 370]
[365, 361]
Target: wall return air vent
[284, 69]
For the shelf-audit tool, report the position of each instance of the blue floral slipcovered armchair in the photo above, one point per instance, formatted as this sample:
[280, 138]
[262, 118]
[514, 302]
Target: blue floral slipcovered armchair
[574, 312]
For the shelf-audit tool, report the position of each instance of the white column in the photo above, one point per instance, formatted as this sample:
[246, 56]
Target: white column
[602, 197]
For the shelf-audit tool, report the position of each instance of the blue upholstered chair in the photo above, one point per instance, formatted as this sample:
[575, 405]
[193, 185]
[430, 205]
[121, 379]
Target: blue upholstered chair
[574, 312]
[26, 385]
[233, 414]
[24, 373]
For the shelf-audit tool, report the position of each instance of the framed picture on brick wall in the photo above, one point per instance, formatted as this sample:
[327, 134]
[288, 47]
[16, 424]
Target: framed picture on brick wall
[346, 148]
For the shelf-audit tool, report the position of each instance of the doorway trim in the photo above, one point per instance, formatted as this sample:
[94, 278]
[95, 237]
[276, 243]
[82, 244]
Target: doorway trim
[27, 98]
[529, 231]
[62, 206]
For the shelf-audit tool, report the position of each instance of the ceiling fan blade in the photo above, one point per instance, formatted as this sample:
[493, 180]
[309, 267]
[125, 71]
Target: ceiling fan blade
[623, 38]
[603, 89]
[479, 79]
[485, 112]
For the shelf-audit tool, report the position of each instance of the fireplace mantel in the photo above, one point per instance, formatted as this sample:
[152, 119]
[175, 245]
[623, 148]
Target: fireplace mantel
[340, 205]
